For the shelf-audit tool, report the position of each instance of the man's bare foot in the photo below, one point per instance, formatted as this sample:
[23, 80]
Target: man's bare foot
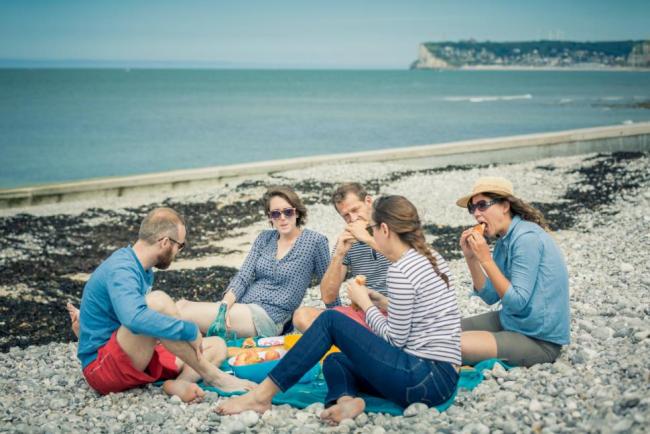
[346, 407]
[186, 391]
[238, 404]
[228, 383]
[74, 318]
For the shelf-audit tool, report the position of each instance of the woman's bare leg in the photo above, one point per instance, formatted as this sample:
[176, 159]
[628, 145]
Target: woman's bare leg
[477, 345]
[204, 313]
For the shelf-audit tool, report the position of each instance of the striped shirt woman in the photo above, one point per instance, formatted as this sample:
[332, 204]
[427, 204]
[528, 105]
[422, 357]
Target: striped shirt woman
[423, 317]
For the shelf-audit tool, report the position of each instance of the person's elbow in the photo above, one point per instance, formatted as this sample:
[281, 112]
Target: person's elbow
[516, 299]
[133, 321]
[397, 342]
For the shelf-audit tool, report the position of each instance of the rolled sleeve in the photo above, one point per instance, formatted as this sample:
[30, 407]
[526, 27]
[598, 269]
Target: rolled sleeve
[488, 294]
[526, 257]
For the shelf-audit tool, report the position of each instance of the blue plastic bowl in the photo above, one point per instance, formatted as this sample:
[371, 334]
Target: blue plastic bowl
[259, 371]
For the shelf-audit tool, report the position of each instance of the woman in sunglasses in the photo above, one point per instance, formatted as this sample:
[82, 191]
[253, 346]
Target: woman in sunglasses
[273, 280]
[526, 272]
[412, 355]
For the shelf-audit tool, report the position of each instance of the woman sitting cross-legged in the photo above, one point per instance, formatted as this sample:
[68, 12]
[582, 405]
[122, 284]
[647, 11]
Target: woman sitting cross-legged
[526, 273]
[412, 355]
[273, 280]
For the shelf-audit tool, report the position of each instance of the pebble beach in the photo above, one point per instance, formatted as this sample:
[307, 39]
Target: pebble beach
[599, 209]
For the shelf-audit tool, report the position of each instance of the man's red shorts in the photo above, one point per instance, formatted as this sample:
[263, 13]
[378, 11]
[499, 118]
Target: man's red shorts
[357, 315]
[113, 371]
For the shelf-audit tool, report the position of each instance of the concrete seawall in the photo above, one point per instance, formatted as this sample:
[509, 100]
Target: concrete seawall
[634, 137]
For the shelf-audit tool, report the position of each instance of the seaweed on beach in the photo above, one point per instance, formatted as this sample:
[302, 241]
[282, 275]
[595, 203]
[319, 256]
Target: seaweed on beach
[28, 322]
[445, 240]
[45, 251]
[603, 181]
[42, 253]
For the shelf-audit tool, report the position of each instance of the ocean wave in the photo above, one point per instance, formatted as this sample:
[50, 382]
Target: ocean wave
[487, 98]
[565, 100]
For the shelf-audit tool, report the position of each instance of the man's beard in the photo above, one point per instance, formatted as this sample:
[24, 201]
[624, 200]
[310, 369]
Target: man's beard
[164, 260]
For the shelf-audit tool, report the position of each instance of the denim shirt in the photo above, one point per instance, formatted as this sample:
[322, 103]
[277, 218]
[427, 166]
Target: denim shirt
[536, 303]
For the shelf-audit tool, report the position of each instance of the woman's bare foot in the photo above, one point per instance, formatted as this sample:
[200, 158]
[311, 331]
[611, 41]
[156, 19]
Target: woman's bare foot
[346, 407]
[238, 404]
[229, 383]
[186, 391]
[74, 318]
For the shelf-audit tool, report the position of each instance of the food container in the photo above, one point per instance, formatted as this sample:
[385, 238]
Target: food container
[259, 371]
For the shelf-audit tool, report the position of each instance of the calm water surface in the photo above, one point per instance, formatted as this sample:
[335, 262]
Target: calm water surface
[58, 125]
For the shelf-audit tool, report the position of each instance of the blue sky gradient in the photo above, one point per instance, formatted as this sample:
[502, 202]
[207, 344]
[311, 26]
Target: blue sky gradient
[292, 34]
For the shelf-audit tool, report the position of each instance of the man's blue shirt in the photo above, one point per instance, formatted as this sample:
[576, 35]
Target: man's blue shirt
[536, 303]
[115, 296]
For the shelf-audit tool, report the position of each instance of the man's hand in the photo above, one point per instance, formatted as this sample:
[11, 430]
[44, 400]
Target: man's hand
[359, 231]
[344, 243]
[197, 345]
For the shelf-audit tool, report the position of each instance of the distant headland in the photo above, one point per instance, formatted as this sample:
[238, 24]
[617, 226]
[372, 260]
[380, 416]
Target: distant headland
[542, 54]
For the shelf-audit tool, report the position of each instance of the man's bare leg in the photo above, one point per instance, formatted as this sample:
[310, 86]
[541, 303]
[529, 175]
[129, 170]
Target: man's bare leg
[140, 348]
[346, 407]
[304, 317]
[74, 318]
[203, 314]
[259, 399]
[214, 350]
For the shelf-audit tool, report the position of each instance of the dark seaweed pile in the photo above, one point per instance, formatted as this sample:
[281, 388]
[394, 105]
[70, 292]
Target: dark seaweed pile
[62, 245]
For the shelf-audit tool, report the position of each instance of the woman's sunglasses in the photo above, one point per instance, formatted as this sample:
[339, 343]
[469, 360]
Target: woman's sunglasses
[288, 213]
[370, 229]
[481, 205]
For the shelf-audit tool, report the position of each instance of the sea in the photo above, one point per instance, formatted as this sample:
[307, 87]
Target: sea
[59, 125]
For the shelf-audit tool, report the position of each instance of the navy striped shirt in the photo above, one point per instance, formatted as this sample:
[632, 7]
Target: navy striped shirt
[362, 259]
[423, 317]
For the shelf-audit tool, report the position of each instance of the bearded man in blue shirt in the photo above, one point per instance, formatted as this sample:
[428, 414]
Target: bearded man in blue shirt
[130, 336]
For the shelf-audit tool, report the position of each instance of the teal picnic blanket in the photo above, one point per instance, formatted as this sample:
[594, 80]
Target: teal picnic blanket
[304, 394]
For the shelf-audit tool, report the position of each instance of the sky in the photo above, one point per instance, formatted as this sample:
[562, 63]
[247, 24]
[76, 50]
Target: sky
[373, 34]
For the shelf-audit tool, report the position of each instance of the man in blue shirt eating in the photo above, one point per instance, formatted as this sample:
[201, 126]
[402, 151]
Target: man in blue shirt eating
[130, 336]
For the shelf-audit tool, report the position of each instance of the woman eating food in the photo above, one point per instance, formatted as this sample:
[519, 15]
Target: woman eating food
[526, 273]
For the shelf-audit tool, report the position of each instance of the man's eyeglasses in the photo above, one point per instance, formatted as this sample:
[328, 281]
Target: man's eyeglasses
[481, 205]
[371, 230]
[288, 213]
[181, 246]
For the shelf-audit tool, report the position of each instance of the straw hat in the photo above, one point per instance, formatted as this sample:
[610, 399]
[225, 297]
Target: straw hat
[488, 184]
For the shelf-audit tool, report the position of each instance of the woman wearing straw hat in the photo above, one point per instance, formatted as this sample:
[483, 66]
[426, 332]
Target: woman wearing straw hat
[526, 272]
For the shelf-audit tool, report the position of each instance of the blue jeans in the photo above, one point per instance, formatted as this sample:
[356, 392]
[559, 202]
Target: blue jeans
[367, 363]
